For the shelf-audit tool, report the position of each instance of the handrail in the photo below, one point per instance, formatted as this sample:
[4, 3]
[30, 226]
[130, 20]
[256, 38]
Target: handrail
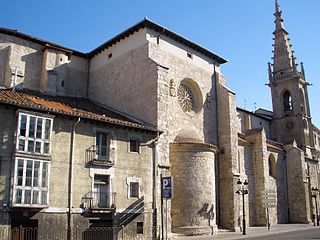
[97, 200]
[99, 155]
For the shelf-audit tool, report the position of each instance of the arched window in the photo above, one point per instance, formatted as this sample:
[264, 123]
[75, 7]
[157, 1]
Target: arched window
[287, 101]
[303, 102]
[272, 166]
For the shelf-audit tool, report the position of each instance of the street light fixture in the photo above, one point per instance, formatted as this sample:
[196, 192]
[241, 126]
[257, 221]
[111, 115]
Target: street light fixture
[243, 191]
[314, 195]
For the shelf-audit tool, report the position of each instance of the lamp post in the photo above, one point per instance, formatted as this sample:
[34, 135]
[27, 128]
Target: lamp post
[314, 195]
[243, 191]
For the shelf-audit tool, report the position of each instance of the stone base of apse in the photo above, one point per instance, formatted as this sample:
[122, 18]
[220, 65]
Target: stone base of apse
[196, 230]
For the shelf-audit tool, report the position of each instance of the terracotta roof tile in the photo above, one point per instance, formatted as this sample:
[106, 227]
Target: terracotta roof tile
[77, 107]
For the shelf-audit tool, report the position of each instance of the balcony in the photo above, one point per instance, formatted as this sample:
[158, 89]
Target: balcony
[100, 156]
[96, 202]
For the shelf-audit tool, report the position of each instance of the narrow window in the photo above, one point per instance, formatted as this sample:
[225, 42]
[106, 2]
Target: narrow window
[287, 101]
[101, 195]
[272, 166]
[134, 189]
[239, 162]
[134, 145]
[139, 227]
[189, 55]
[101, 146]
[110, 55]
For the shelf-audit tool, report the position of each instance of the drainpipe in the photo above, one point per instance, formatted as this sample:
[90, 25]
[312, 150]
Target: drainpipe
[70, 190]
[153, 143]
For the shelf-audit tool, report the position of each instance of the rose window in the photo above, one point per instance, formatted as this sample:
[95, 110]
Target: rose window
[186, 98]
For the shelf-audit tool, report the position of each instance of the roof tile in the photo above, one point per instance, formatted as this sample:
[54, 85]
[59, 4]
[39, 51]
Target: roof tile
[78, 107]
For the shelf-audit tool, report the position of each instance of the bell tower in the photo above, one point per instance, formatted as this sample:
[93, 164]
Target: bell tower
[291, 119]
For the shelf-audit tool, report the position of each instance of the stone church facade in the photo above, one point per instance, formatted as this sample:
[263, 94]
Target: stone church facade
[86, 137]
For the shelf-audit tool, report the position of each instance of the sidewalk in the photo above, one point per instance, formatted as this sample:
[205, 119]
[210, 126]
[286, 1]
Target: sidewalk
[251, 232]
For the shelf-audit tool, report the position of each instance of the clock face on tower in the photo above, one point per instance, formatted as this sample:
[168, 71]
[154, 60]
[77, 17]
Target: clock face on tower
[289, 125]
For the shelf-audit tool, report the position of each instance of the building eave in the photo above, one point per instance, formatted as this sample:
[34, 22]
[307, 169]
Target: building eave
[146, 23]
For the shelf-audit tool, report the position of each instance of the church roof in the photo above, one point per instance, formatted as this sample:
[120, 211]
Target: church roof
[145, 23]
[16, 33]
[76, 107]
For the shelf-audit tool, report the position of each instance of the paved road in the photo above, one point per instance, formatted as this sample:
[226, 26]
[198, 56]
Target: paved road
[308, 234]
[277, 232]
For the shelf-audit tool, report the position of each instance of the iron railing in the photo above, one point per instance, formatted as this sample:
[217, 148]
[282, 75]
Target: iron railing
[100, 155]
[94, 200]
[24, 233]
[90, 233]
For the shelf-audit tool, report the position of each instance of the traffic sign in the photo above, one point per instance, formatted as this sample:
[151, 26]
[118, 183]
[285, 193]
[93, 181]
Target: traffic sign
[166, 183]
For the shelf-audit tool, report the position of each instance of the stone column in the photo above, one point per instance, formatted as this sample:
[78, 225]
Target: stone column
[193, 202]
[297, 185]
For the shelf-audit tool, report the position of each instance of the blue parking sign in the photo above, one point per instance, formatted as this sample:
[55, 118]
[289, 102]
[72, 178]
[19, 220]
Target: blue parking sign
[166, 183]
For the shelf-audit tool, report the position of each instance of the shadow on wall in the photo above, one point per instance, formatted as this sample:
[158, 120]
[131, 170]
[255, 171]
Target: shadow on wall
[206, 212]
[106, 230]
[130, 213]
[4, 69]
[210, 127]
[31, 72]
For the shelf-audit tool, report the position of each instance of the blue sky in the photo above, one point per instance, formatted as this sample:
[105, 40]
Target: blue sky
[238, 30]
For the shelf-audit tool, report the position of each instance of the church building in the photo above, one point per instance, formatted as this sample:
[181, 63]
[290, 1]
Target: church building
[86, 138]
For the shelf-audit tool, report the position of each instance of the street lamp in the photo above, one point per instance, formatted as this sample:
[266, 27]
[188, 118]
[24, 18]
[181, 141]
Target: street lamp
[243, 191]
[314, 195]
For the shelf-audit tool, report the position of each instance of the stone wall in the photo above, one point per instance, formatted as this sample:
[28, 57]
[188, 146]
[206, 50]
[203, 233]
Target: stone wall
[193, 203]
[8, 121]
[127, 165]
[228, 145]
[127, 83]
[50, 71]
[297, 186]
[260, 168]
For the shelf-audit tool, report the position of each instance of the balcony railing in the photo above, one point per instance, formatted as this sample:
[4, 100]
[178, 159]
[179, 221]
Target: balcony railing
[95, 200]
[100, 156]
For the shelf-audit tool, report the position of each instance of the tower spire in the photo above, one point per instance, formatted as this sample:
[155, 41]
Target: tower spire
[283, 57]
[277, 6]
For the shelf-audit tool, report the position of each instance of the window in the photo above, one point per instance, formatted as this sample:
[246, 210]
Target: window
[134, 145]
[34, 134]
[287, 101]
[101, 191]
[139, 227]
[134, 184]
[102, 146]
[272, 166]
[134, 189]
[239, 162]
[189, 97]
[31, 182]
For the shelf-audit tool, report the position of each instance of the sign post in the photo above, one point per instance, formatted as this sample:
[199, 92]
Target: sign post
[166, 192]
[269, 200]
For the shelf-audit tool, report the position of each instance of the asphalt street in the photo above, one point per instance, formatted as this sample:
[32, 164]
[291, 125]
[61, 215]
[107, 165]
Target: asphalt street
[277, 232]
[296, 235]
